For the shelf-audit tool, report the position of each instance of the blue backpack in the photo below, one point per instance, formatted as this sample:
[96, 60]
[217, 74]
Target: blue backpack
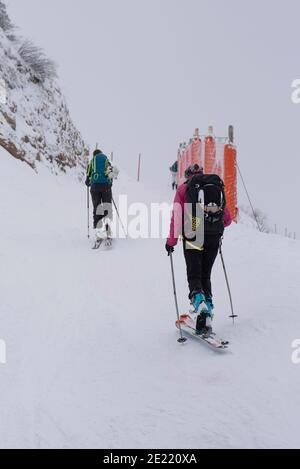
[99, 167]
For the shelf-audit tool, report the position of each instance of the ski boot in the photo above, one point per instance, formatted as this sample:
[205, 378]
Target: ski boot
[198, 302]
[108, 242]
[100, 234]
[203, 307]
[210, 306]
[204, 324]
[100, 237]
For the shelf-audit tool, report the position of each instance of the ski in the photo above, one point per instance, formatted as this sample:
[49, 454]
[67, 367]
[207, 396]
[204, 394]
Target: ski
[97, 244]
[108, 243]
[188, 325]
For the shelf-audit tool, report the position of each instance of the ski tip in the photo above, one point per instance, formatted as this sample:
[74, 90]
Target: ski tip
[180, 323]
[184, 317]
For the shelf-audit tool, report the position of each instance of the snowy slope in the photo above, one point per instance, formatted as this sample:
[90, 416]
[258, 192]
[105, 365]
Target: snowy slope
[92, 356]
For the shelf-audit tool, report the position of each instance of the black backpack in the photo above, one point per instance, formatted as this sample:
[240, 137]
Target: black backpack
[209, 191]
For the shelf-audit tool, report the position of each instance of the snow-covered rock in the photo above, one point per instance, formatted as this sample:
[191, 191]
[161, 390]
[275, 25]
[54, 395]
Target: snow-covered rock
[35, 123]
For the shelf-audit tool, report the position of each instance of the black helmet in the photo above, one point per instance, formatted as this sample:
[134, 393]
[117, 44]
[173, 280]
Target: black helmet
[97, 152]
[193, 170]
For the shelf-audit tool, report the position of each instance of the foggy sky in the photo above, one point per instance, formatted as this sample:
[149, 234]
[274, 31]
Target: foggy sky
[140, 75]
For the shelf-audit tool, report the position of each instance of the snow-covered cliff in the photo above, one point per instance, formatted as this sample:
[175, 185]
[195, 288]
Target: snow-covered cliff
[35, 123]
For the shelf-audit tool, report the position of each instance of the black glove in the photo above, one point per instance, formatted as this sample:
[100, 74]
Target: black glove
[87, 182]
[169, 249]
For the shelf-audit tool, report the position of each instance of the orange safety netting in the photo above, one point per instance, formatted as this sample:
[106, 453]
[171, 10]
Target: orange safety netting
[230, 179]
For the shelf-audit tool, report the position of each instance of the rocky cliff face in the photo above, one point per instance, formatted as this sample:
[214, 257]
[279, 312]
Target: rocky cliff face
[35, 123]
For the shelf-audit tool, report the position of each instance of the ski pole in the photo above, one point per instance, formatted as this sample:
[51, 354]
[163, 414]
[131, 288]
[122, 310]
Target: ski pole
[119, 218]
[233, 316]
[181, 339]
[88, 212]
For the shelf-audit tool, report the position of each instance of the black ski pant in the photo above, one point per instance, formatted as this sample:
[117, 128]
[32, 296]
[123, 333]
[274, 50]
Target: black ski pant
[199, 264]
[102, 202]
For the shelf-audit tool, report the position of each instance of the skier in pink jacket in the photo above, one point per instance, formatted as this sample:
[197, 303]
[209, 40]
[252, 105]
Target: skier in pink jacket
[200, 258]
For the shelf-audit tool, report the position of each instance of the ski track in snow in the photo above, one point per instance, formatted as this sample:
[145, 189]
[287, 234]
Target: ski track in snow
[92, 355]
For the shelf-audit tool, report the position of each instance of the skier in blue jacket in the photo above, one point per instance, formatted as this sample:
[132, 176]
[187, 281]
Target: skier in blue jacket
[100, 174]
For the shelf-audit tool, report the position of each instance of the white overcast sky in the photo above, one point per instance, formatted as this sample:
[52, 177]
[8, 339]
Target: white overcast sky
[140, 75]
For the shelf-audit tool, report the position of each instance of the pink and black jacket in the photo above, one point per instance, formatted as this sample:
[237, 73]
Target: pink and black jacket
[180, 202]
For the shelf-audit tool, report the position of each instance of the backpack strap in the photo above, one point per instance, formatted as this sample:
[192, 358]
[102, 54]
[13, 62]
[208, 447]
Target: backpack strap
[94, 164]
[89, 169]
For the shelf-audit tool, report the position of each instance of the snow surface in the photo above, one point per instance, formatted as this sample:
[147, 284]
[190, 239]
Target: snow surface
[92, 355]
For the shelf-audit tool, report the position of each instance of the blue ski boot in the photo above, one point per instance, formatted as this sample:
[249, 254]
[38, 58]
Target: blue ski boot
[210, 307]
[205, 314]
[198, 302]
